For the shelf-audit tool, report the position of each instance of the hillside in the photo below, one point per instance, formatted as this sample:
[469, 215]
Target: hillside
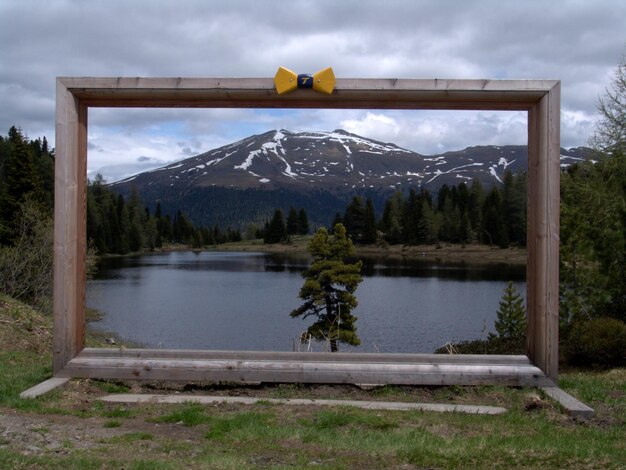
[23, 329]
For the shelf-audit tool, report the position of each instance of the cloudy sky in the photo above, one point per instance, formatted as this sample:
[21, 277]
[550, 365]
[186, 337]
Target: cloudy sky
[578, 42]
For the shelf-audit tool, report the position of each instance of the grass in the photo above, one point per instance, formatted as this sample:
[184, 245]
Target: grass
[267, 435]
[131, 437]
[112, 423]
[243, 426]
[189, 414]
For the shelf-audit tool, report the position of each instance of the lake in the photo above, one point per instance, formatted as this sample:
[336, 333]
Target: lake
[226, 300]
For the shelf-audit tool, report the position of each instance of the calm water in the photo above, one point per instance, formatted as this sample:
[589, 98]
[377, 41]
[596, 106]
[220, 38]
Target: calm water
[215, 300]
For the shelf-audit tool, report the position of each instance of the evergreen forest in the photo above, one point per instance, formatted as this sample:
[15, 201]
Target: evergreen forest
[459, 214]
[119, 225]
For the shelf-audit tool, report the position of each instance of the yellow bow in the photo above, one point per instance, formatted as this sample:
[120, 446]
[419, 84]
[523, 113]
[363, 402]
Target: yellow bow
[323, 81]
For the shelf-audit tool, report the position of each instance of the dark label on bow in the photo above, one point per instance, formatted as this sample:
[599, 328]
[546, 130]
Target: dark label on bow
[305, 81]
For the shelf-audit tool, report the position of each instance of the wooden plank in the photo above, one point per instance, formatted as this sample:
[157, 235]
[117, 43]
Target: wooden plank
[309, 103]
[349, 93]
[533, 324]
[553, 170]
[44, 387]
[67, 256]
[306, 356]
[80, 274]
[79, 85]
[571, 405]
[363, 404]
[295, 370]
[543, 233]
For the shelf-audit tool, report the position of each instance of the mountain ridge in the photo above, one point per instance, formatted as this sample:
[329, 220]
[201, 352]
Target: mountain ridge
[309, 166]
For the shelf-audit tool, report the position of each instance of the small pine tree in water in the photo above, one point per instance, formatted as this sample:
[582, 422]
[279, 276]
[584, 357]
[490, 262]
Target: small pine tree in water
[511, 320]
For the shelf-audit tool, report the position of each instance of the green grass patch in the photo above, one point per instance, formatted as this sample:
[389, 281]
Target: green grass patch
[594, 387]
[339, 417]
[15, 461]
[188, 414]
[21, 371]
[248, 424]
[118, 412]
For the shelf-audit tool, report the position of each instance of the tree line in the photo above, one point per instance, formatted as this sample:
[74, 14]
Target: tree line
[457, 214]
[26, 174]
[26, 206]
[277, 229]
[119, 225]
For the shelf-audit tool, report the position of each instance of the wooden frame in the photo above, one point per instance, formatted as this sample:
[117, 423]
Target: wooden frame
[540, 98]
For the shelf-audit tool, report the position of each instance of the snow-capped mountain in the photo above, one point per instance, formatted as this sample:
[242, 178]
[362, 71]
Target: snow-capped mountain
[320, 165]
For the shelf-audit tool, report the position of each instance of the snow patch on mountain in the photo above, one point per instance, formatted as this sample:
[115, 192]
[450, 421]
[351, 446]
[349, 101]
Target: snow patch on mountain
[492, 170]
[248, 161]
[504, 162]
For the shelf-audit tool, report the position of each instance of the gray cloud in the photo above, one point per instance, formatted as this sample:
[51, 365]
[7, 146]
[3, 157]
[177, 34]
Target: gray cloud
[577, 42]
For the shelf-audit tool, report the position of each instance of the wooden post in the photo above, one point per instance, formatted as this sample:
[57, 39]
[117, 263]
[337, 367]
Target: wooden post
[69, 227]
[543, 232]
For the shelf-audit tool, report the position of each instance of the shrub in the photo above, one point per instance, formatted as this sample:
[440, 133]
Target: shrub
[596, 342]
[26, 266]
[511, 319]
[492, 345]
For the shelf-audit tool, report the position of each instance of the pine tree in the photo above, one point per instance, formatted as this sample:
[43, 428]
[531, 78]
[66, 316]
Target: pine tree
[20, 182]
[292, 221]
[514, 194]
[123, 220]
[336, 220]
[411, 215]
[328, 289]
[511, 318]
[474, 209]
[276, 231]
[494, 220]
[390, 223]
[369, 223]
[303, 222]
[354, 219]
[428, 227]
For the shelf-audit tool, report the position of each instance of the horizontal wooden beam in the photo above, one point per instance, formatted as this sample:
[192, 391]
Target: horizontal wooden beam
[348, 93]
[242, 366]
[304, 356]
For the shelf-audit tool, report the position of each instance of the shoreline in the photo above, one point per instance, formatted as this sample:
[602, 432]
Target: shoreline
[471, 253]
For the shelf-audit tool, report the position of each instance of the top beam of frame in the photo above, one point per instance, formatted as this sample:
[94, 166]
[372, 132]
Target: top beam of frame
[504, 95]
